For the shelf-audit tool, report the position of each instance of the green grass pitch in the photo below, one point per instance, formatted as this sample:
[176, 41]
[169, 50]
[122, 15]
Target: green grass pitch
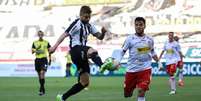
[100, 89]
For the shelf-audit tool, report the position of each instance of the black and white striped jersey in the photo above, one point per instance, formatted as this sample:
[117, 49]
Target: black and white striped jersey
[79, 32]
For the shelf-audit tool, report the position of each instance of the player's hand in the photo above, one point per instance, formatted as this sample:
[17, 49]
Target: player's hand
[49, 63]
[160, 66]
[103, 30]
[51, 50]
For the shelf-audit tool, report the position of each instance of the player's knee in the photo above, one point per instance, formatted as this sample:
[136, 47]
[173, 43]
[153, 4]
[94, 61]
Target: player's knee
[93, 54]
[180, 70]
[171, 74]
[84, 84]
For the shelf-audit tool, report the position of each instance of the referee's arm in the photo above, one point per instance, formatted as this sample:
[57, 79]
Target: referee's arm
[33, 49]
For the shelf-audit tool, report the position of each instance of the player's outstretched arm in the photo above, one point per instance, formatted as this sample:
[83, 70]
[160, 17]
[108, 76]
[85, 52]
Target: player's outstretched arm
[155, 57]
[60, 39]
[101, 35]
[160, 65]
[161, 54]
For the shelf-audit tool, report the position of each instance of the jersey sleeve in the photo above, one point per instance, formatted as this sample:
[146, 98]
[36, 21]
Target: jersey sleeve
[178, 47]
[48, 45]
[93, 29]
[152, 47]
[164, 47]
[33, 46]
[126, 44]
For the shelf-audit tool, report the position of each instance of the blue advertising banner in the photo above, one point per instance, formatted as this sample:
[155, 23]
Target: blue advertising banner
[189, 69]
[55, 70]
[193, 53]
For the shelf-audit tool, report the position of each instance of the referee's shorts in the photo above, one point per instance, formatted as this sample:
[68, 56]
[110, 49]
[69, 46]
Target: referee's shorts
[41, 64]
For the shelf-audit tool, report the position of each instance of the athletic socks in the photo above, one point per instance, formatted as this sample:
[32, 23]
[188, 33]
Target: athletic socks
[68, 73]
[42, 83]
[141, 99]
[97, 60]
[172, 83]
[75, 89]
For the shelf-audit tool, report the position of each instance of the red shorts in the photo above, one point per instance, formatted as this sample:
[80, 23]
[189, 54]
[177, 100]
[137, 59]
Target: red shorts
[171, 69]
[180, 64]
[137, 79]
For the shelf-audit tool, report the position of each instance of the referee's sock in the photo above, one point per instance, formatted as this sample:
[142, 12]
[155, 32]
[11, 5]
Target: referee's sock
[42, 83]
[75, 89]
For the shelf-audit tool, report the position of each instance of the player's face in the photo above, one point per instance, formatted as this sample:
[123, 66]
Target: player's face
[40, 35]
[85, 18]
[170, 36]
[176, 38]
[139, 27]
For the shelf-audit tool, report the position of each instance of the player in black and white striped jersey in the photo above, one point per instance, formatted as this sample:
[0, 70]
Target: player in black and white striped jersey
[78, 32]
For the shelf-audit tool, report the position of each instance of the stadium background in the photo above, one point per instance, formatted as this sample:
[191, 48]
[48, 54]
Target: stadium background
[20, 19]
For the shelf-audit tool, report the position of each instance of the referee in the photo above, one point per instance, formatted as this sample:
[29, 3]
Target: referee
[40, 48]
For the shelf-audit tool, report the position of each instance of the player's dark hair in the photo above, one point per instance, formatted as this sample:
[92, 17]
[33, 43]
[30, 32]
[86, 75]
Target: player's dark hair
[172, 33]
[85, 10]
[140, 19]
[40, 31]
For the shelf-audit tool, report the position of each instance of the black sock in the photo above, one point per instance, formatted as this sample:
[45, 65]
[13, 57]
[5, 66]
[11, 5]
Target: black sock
[75, 89]
[97, 60]
[42, 83]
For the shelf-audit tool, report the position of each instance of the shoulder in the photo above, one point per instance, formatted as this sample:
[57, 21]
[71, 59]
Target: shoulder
[75, 23]
[45, 41]
[149, 37]
[176, 43]
[166, 42]
[131, 37]
[35, 41]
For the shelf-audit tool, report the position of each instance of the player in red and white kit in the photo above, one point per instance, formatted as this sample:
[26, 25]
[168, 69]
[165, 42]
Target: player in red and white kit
[171, 49]
[141, 52]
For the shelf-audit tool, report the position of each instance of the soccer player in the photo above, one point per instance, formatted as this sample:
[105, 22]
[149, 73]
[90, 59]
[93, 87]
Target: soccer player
[40, 48]
[180, 57]
[78, 32]
[141, 52]
[172, 50]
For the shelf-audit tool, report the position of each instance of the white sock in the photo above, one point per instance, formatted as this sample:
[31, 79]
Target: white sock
[141, 99]
[172, 83]
[181, 77]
